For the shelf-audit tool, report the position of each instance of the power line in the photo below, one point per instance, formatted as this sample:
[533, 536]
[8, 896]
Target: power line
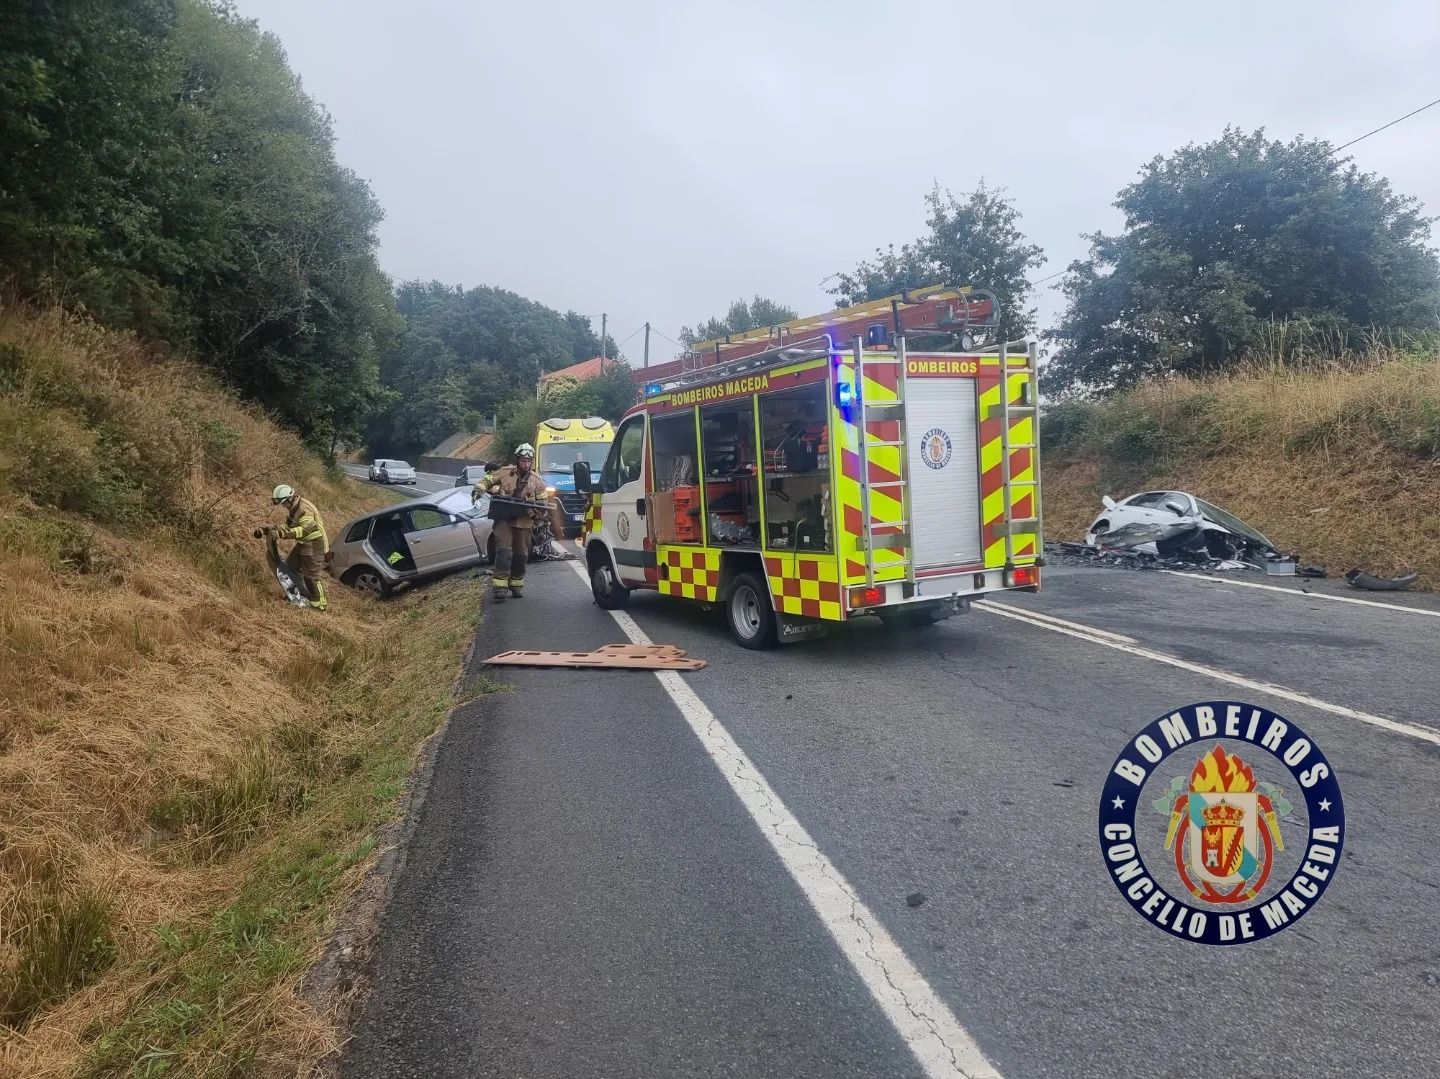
[666, 337]
[1057, 273]
[1382, 127]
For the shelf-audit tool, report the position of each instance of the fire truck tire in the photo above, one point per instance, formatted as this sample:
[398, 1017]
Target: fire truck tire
[610, 594]
[749, 612]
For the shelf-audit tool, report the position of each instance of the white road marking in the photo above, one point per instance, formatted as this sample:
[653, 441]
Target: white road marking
[985, 604]
[943, 1047]
[1084, 633]
[1306, 595]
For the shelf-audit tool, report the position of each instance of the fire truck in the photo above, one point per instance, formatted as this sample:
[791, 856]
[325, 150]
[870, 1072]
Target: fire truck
[870, 462]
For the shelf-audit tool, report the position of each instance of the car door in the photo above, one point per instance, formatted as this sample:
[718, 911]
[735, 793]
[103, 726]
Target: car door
[622, 502]
[438, 540]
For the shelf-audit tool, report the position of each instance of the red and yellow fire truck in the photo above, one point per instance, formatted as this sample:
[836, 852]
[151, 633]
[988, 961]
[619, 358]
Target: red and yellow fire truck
[815, 472]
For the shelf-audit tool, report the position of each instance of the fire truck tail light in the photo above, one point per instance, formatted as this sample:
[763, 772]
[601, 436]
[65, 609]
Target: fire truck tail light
[1024, 577]
[867, 597]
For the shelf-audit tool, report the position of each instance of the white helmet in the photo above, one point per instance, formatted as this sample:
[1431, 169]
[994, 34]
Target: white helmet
[525, 450]
[281, 493]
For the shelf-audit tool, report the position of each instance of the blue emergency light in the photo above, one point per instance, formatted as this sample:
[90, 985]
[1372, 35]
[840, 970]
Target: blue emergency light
[651, 389]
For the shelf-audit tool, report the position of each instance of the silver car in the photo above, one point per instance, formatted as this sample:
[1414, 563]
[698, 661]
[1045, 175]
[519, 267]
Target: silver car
[389, 470]
[390, 546]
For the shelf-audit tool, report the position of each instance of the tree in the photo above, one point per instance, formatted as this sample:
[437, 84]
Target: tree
[608, 394]
[1221, 239]
[467, 355]
[974, 240]
[741, 317]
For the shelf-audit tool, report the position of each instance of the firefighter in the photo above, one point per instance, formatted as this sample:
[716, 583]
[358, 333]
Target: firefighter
[513, 537]
[304, 526]
[489, 468]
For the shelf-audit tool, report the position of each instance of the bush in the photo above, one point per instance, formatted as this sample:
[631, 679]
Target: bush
[62, 944]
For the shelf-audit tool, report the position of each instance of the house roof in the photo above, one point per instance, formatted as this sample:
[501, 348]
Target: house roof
[580, 372]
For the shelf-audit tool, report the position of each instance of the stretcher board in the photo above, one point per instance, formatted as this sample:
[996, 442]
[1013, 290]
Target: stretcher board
[652, 657]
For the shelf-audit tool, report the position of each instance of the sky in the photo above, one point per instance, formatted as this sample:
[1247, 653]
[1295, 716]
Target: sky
[656, 161]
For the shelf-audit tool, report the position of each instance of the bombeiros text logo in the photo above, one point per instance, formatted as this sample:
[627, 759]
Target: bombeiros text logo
[935, 448]
[1223, 830]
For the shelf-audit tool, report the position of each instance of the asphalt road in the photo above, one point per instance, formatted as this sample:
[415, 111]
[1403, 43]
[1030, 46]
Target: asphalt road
[588, 894]
[426, 483]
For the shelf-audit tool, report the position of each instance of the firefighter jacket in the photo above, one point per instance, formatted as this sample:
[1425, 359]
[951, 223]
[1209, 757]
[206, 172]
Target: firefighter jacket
[506, 482]
[306, 528]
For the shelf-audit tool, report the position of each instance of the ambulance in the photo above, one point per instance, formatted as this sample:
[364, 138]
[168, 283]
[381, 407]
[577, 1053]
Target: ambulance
[560, 443]
[810, 474]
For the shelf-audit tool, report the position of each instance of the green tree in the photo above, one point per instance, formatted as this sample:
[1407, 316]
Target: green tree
[1221, 239]
[741, 316]
[973, 240]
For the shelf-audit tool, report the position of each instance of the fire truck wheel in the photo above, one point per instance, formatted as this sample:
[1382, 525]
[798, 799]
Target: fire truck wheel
[751, 617]
[610, 594]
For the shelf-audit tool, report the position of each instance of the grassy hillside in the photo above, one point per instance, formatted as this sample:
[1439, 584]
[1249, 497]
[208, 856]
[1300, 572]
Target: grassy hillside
[1341, 463]
[190, 770]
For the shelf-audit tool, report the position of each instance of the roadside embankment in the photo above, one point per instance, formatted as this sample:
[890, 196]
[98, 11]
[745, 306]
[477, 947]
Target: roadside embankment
[191, 771]
[1341, 463]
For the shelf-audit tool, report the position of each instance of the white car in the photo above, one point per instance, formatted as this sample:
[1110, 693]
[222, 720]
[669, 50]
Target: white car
[388, 470]
[1141, 521]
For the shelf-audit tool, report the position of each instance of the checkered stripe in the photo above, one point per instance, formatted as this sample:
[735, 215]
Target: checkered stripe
[689, 572]
[592, 516]
[811, 589]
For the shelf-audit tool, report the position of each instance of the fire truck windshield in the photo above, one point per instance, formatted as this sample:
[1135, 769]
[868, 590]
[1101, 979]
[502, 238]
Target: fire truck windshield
[561, 456]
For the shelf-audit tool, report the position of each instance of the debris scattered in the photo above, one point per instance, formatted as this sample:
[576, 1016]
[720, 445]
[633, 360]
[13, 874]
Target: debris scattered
[1176, 530]
[1370, 583]
[639, 657]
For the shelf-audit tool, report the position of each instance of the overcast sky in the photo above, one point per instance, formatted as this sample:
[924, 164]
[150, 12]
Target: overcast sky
[658, 160]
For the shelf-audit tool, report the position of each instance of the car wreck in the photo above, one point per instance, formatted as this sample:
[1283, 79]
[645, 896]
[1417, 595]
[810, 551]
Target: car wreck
[1176, 526]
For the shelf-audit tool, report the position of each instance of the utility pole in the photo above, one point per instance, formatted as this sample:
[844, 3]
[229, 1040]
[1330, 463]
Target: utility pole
[647, 344]
[603, 317]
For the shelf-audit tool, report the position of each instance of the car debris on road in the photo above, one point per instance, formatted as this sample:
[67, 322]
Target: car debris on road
[1358, 578]
[1176, 529]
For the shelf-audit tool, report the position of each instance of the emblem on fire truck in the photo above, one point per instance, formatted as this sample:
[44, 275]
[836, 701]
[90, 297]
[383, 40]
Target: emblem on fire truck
[1238, 878]
[935, 448]
[622, 526]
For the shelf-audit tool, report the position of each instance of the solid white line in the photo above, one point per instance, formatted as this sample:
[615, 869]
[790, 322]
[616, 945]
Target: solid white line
[990, 604]
[943, 1047]
[1425, 734]
[1307, 595]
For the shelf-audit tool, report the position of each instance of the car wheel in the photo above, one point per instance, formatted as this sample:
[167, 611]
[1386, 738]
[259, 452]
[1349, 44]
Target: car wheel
[609, 593]
[749, 613]
[368, 580]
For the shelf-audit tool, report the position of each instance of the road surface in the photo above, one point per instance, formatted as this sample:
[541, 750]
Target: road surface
[426, 483]
[875, 854]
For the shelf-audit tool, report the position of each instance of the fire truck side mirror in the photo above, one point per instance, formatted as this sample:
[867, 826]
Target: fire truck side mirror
[581, 471]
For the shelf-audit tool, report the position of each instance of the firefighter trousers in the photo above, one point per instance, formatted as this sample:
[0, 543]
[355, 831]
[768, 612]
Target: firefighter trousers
[316, 587]
[512, 551]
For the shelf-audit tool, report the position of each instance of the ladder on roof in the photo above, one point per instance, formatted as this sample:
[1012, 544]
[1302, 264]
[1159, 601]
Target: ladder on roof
[1029, 406]
[897, 541]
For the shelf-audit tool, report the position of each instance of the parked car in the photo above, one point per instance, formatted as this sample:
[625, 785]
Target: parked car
[388, 470]
[470, 475]
[398, 544]
[1160, 521]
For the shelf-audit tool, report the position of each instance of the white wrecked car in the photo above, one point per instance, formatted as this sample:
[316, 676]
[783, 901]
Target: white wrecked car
[1175, 523]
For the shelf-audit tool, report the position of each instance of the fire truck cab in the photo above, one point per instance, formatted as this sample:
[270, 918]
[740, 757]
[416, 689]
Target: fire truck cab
[825, 472]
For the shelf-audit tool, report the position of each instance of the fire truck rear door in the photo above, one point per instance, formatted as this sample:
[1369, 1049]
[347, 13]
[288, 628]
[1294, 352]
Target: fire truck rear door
[942, 441]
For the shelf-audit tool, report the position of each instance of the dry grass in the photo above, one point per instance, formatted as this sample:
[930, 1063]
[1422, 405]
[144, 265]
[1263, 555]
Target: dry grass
[188, 766]
[1340, 462]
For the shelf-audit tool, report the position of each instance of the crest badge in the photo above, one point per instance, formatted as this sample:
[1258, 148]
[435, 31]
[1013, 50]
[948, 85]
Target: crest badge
[935, 448]
[1235, 859]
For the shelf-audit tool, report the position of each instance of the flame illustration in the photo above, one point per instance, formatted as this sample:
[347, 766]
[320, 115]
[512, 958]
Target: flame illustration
[1218, 772]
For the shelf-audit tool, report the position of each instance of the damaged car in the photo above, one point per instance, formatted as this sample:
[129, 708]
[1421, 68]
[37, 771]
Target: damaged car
[1177, 525]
